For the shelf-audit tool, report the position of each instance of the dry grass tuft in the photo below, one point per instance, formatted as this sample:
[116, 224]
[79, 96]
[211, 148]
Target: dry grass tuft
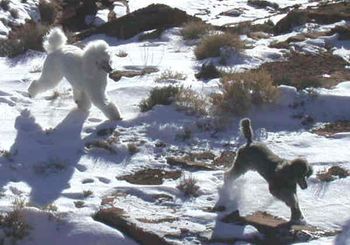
[242, 90]
[210, 46]
[192, 103]
[195, 29]
[159, 96]
[188, 185]
[13, 223]
[169, 75]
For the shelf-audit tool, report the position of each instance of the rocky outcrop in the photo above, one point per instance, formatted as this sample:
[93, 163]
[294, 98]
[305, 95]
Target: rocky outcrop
[155, 16]
[323, 14]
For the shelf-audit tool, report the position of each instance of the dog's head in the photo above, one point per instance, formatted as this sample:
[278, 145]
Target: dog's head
[96, 58]
[301, 170]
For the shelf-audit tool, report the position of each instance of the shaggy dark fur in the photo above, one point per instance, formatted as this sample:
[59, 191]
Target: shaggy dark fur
[282, 175]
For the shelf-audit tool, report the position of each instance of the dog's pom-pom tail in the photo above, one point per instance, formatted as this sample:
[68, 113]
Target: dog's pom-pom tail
[246, 130]
[54, 40]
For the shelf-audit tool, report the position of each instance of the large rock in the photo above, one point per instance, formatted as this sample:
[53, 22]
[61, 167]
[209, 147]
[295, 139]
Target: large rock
[155, 16]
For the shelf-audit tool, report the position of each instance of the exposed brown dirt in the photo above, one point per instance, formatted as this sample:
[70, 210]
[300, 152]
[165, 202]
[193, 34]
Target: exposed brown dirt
[306, 70]
[330, 129]
[150, 176]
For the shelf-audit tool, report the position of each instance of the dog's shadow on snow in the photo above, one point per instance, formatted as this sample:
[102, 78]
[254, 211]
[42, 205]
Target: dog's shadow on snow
[45, 159]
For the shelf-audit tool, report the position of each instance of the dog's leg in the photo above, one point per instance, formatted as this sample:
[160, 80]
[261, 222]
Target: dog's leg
[108, 108]
[289, 197]
[82, 100]
[49, 78]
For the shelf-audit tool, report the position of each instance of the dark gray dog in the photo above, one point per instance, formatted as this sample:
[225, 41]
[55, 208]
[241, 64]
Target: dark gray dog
[282, 175]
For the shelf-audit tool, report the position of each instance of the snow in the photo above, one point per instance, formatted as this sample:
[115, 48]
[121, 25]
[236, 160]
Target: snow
[49, 163]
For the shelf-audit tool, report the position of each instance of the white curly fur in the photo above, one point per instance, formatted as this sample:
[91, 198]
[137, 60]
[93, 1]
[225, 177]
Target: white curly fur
[86, 70]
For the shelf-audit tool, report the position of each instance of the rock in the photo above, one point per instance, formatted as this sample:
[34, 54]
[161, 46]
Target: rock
[117, 218]
[343, 32]
[233, 12]
[262, 4]
[117, 75]
[150, 176]
[293, 19]
[155, 16]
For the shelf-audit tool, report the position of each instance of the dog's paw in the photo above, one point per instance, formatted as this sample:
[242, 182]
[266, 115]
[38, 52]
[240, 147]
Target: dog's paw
[297, 222]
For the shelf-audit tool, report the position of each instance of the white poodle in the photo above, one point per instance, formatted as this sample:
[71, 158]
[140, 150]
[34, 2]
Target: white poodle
[86, 70]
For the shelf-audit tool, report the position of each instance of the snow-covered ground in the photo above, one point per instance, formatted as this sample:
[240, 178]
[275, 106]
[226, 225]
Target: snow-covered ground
[48, 163]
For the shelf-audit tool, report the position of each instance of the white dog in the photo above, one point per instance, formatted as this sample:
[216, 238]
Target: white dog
[86, 70]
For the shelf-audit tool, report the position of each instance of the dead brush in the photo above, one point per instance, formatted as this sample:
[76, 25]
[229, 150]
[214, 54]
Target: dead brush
[159, 96]
[170, 76]
[13, 224]
[194, 30]
[193, 103]
[188, 186]
[210, 46]
[242, 90]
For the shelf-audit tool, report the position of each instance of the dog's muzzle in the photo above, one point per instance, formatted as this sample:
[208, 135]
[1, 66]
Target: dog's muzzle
[302, 183]
[106, 67]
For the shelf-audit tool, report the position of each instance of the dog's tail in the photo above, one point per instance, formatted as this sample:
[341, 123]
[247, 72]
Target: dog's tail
[246, 130]
[54, 40]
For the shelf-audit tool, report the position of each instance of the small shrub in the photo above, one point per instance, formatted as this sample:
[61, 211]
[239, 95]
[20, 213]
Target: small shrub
[241, 90]
[169, 75]
[194, 30]
[188, 185]
[5, 5]
[13, 223]
[159, 96]
[79, 204]
[53, 166]
[192, 103]
[50, 208]
[48, 11]
[122, 54]
[87, 193]
[208, 71]
[209, 46]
